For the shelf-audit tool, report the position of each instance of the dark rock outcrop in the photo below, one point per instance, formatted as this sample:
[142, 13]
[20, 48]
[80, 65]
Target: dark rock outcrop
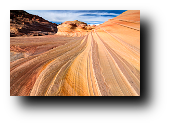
[23, 23]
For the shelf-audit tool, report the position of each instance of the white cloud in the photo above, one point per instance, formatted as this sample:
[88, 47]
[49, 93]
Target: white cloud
[61, 16]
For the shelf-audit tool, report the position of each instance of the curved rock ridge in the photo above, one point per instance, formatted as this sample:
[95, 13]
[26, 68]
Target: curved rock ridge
[103, 62]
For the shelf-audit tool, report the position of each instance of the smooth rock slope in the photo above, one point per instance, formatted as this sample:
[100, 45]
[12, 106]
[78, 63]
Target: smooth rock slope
[103, 62]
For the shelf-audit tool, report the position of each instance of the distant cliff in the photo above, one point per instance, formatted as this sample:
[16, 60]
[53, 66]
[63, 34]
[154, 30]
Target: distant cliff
[25, 24]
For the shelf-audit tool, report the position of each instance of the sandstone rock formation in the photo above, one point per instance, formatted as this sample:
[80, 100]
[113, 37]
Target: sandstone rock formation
[74, 28]
[103, 62]
[23, 23]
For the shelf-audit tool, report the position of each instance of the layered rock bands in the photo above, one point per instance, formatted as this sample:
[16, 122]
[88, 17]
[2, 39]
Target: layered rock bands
[103, 62]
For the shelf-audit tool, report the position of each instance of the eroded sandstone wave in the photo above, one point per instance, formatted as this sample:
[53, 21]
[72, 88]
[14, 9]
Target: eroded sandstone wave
[103, 62]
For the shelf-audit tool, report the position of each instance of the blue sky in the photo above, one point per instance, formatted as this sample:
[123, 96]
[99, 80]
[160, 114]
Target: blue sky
[87, 16]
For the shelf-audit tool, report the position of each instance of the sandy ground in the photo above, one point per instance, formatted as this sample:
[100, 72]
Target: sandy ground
[103, 62]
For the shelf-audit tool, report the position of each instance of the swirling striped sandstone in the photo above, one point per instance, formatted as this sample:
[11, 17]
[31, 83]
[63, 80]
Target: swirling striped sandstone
[105, 62]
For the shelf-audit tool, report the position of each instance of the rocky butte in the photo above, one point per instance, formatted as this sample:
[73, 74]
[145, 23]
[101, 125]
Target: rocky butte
[102, 61]
[74, 28]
